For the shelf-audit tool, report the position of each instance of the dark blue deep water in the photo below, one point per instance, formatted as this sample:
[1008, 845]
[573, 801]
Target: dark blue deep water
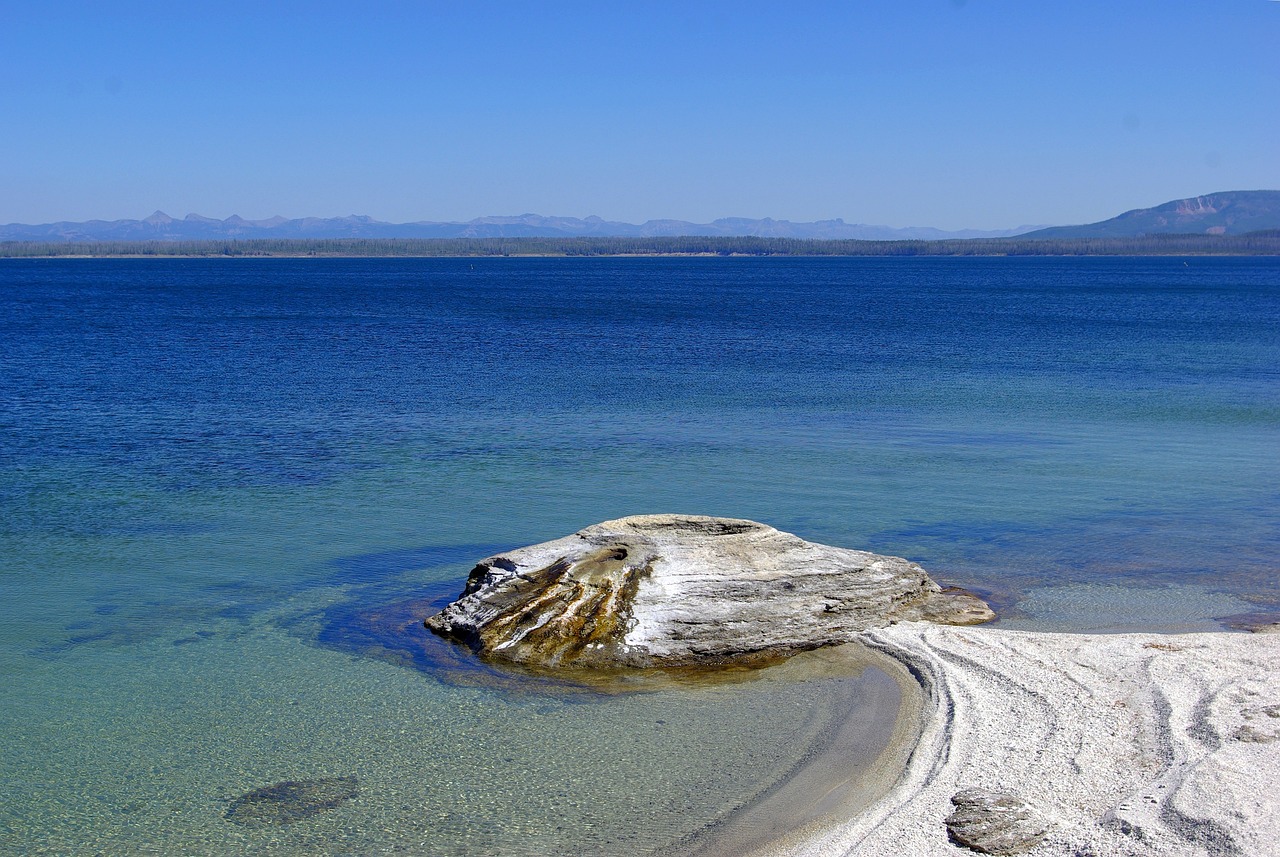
[211, 470]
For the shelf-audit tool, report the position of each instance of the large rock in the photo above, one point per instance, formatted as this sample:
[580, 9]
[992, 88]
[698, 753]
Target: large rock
[684, 589]
[993, 822]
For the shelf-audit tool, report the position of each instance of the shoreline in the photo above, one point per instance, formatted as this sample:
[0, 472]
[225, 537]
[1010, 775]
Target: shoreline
[839, 779]
[1124, 744]
[1180, 254]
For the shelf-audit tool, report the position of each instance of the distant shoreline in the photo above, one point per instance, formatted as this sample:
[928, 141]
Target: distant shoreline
[1177, 244]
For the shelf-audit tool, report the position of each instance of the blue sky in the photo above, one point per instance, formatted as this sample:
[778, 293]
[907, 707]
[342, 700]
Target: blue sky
[978, 114]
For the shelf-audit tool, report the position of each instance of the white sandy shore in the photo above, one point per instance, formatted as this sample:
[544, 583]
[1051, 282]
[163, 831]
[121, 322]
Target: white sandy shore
[1128, 744]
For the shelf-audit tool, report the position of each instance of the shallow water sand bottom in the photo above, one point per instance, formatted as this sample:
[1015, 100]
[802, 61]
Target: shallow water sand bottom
[854, 765]
[144, 753]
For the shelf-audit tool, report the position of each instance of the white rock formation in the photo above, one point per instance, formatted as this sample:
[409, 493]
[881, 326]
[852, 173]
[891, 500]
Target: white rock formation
[684, 589]
[1129, 745]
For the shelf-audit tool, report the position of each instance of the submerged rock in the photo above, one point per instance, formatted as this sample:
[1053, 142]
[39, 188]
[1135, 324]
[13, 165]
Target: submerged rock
[992, 822]
[290, 801]
[670, 590]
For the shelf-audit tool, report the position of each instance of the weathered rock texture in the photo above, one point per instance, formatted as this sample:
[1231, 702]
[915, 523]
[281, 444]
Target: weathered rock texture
[1126, 745]
[671, 590]
[992, 822]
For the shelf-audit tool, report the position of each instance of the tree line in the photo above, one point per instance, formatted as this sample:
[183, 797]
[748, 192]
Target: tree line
[1265, 243]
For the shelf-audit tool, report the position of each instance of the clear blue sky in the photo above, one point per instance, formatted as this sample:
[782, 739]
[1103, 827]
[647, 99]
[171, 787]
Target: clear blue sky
[983, 114]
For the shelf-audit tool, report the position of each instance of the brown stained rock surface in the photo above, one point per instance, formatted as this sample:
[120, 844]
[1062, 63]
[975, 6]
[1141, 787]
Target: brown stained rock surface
[668, 590]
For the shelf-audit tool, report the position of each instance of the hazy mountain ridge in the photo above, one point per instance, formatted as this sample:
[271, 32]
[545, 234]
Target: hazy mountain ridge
[1222, 213]
[195, 227]
[1233, 212]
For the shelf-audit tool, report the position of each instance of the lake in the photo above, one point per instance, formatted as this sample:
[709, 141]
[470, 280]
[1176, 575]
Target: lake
[228, 484]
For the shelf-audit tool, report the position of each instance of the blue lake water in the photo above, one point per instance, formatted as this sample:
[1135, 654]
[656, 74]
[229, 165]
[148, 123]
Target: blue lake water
[223, 480]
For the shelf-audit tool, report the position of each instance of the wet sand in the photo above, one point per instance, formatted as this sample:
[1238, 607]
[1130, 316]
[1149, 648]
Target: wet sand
[853, 764]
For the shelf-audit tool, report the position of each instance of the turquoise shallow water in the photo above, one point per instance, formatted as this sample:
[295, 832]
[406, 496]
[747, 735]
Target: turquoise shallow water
[220, 478]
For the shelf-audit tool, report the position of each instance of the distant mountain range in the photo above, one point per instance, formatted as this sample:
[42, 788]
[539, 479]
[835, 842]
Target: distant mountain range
[1233, 212]
[162, 227]
[1225, 213]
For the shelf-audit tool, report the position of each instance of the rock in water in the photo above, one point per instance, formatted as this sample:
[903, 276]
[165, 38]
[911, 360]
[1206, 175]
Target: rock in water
[991, 822]
[669, 590]
[290, 801]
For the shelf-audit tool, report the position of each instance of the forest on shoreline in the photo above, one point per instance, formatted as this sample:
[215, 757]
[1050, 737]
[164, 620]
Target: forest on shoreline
[1266, 243]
